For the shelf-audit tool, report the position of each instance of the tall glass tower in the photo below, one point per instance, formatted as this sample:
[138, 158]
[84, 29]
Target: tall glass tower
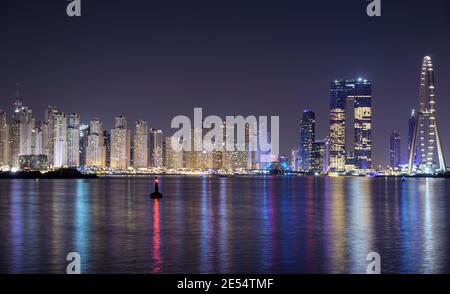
[307, 139]
[359, 94]
[395, 150]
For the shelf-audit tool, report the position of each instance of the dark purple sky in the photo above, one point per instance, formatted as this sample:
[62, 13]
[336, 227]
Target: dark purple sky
[153, 60]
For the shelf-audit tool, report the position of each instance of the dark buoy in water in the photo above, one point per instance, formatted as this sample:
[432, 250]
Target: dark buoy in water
[403, 179]
[156, 194]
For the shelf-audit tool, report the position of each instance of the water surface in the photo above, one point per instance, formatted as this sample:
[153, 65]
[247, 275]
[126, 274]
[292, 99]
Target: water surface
[225, 225]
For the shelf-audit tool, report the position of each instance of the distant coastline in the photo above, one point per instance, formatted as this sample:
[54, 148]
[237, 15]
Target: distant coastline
[75, 174]
[59, 174]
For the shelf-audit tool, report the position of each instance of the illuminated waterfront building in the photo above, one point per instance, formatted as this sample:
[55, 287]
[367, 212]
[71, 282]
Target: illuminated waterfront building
[357, 93]
[48, 134]
[73, 140]
[320, 156]
[120, 144]
[306, 143]
[426, 142]
[60, 140]
[84, 135]
[95, 149]
[395, 150]
[107, 144]
[156, 148]
[140, 156]
[4, 139]
[23, 116]
[294, 158]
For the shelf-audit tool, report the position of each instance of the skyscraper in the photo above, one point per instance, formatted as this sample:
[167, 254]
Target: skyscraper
[321, 156]
[48, 134]
[307, 139]
[73, 140]
[84, 136]
[426, 138]
[395, 150]
[156, 148]
[4, 140]
[60, 140]
[23, 118]
[359, 94]
[120, 144]
[141, 144]
[294, 158]
[95, 149]
[107, 144]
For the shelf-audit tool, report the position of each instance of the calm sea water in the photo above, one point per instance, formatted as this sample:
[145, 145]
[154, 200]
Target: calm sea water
[225, 225]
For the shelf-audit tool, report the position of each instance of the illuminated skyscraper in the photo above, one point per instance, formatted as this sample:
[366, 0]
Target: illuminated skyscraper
[141, 144]
[107, 144]
[4, 139]
[120, 144]
[37, 140]
[426, 139]
[60, 140]
[23, 118]
[156, 148]
[307, 139]
[73, 140]
[48, 134]
[95, 149]
[84, 135]
[395, 150]
[359, 93]
[294, 159]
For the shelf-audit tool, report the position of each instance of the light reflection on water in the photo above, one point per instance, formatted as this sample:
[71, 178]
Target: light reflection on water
[221, 225]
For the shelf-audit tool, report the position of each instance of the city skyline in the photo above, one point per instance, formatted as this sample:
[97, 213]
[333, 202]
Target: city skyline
[212, 63]
[350, 132]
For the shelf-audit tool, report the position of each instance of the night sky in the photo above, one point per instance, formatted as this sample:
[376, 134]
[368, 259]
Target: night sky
[154, 60]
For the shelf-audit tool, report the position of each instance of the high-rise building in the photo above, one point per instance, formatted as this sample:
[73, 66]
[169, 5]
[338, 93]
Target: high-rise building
[4, 139]
[140, 158]
[320, 158]
[294, 159]
[37, 140]
[14, 144]
[73, 140]
[307, 139]
[359, 94]
[395, 150]
[60, 140]
[95, 149]
[23, 118]
[84, 135]
[174, 159]
[48, 134]
[426, 138]
[120, 144]
[107, 144]
[156, 148]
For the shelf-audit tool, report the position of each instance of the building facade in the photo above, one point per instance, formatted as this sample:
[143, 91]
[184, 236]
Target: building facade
[120, 144]
[306, 142]
[140, 158]
[357, 93]
[395, 150]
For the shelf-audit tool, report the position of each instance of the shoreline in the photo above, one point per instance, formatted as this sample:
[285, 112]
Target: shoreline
[75, 174]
